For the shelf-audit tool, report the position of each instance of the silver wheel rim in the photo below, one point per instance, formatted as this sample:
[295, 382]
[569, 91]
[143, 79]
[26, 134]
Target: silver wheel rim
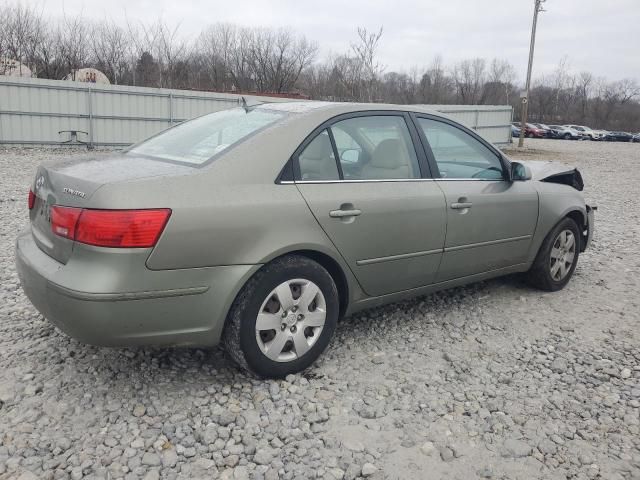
[291, 320]
[563, 254]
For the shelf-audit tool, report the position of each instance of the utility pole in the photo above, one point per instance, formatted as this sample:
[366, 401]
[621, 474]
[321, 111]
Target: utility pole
[525, 99]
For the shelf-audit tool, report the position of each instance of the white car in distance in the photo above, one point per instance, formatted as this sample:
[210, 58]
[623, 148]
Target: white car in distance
[588, 132]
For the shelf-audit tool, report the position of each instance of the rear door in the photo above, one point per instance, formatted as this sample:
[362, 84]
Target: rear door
[369, 189]
[490, 220]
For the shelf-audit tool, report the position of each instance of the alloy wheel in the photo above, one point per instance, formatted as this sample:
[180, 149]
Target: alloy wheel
[563, 254]
[291, 320]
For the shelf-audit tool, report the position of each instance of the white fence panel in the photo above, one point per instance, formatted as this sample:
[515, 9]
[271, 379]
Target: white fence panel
[493, 122]
[34, 111]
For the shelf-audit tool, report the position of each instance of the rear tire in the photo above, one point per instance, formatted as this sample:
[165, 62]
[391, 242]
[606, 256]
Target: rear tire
[299, 299]
[567, 136]
[557, 258]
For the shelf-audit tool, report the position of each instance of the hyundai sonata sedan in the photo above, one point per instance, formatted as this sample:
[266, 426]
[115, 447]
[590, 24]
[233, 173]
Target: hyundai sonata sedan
[259, 227]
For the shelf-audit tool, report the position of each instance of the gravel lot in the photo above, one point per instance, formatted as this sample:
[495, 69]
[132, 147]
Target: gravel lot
[494, 380]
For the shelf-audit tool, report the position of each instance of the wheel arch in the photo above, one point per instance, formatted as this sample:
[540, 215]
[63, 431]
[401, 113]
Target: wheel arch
[335, 270]
[557, 202]
[345, 281]
[581, 220]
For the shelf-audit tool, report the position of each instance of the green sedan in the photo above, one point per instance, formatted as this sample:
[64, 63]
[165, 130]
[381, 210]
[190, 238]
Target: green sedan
[259, 227]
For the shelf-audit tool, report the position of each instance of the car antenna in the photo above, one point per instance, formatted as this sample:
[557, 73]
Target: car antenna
[246, 106]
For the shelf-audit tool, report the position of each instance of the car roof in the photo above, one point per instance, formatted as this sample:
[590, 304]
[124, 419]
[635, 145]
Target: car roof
[312, 107]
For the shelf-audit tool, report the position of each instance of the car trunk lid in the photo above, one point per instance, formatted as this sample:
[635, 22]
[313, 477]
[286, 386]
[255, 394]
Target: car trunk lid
[72, 184]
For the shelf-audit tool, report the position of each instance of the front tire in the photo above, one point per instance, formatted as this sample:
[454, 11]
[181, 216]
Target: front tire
[557, 258]
[283, 318]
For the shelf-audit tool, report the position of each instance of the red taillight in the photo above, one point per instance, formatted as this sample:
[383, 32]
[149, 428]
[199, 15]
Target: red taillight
[64, 221]
[112, 228]
[32, 199]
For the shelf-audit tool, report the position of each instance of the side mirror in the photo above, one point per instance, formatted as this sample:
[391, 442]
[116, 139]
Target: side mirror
[350, 156]
[520, 172]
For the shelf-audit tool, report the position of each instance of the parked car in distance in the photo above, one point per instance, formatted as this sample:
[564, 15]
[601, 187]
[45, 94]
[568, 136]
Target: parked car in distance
[542, 126]
[636, 138]
[592, 134]
[531, 131]
[515, 131]
[258, 227]
[619, 137]
[566, 133]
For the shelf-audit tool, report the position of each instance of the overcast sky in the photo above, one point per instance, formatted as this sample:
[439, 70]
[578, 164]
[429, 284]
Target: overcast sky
[601, 36]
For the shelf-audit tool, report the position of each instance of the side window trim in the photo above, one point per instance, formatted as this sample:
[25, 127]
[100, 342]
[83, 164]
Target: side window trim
[308, 142]
[423, 160]
[431, 157]
[335, 153]
[426, 171]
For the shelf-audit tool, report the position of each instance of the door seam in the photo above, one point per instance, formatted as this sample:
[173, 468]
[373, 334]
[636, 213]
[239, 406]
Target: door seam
[332, 242]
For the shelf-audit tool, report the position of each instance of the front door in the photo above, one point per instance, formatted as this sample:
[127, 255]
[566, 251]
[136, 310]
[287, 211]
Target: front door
[490, 220]
[384, 218]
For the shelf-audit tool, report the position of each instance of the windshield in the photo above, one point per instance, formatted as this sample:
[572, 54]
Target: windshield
[196, 141]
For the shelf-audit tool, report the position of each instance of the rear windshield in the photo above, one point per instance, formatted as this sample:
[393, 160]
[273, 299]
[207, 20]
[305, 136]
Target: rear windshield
[196, 141]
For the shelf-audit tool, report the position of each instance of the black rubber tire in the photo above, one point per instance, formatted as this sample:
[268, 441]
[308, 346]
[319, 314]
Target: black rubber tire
[567, 136]
[539, 275]
[239, 337]
[530, 135]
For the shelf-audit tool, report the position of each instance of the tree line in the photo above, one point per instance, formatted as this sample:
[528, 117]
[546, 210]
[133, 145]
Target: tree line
[226, 57]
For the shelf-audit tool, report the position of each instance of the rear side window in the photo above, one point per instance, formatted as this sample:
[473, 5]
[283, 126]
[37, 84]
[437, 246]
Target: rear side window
[317, 161]
[376, 147]
[196, 141]
[458, 154]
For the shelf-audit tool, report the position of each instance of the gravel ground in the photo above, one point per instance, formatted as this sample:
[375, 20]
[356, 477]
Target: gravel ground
[494, 380]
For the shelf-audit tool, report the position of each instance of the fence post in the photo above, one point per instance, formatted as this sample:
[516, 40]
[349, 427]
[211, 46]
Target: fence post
[90, 109]
[170, 109]
[476, 121]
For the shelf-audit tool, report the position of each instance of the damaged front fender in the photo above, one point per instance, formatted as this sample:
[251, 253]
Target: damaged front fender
[554, 172]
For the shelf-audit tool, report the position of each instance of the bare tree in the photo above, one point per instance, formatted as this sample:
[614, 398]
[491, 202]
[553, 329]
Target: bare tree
[110, 48]
[365, 50]
[171, 50]
[469, 77]
[74, 43]
[435, 86]
[239, 67]
[48, 60]
[214, 51]
[21, 34]
[583, 88]
[499, 83]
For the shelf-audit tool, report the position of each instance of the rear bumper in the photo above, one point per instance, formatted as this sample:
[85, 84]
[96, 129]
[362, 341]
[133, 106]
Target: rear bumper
[117, 301]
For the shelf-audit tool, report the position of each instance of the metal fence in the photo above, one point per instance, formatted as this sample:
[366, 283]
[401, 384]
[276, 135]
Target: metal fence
[50, 112]
[493, 122]
[35, 111]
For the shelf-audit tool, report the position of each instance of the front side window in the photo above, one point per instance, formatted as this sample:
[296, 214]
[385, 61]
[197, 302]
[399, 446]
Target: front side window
[458, 154]
[196, 141]
[317, 161]
[376, 147]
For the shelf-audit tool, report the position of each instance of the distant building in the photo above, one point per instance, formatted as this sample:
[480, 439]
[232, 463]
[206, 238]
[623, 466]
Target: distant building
[88, 75]
[13, 68]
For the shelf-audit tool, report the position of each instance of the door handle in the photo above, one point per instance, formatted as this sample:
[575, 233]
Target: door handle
[344, 213]
[461, 205]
